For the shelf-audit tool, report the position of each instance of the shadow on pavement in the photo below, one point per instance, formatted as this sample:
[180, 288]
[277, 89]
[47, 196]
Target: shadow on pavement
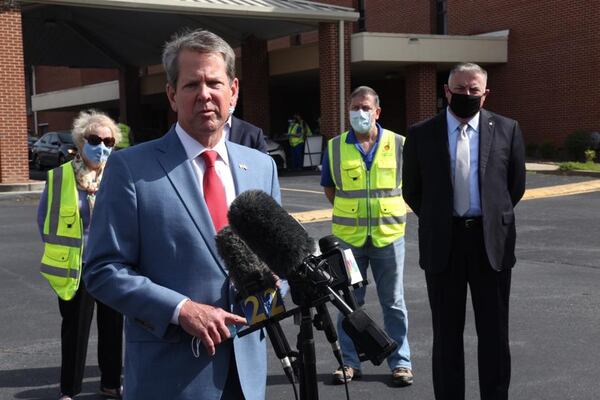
[44, 382]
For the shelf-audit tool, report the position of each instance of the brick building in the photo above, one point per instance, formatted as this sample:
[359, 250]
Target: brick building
[541, 58]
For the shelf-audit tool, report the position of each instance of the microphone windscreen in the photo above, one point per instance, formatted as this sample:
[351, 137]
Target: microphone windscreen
[248, 273]
[273, 234]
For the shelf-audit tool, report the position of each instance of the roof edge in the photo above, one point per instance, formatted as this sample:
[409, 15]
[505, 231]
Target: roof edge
[334, 13]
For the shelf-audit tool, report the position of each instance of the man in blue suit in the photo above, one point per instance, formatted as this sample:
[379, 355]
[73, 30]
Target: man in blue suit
[152, 252]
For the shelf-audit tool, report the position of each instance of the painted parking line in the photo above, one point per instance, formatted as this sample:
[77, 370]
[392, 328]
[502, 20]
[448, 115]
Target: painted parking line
[570, 189]
[301, 190]
[563, 190]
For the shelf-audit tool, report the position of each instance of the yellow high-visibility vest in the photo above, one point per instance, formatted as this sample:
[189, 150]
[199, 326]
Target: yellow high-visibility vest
[368, 202]
[297, 132]
[125, 131]
[62, 233]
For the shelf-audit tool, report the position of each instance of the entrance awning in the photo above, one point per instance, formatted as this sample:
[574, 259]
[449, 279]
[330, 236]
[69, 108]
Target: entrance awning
[114, 33]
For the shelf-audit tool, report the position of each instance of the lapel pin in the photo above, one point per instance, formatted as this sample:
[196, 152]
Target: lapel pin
[243, 166]
[491, 123]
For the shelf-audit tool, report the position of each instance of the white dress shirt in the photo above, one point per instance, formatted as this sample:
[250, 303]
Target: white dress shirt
[193, 150]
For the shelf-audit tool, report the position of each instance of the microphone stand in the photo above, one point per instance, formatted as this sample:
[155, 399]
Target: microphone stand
[307, 357]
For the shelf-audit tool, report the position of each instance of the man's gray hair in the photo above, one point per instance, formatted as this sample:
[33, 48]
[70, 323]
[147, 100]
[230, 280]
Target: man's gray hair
[88, 121]
[201, 41]
[364, 91]
[467, 67]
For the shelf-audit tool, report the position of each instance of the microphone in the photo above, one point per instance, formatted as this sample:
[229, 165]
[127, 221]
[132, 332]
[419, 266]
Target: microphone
[278, 239]
[274, 235]
[283, 244]
[256, 286]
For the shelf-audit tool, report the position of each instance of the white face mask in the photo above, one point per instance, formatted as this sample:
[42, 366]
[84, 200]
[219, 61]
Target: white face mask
[360, 121]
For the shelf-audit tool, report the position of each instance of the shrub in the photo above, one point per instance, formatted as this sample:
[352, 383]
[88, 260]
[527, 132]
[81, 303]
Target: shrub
[531, 150]
[548, 150]
[590, 155]
[577, 143]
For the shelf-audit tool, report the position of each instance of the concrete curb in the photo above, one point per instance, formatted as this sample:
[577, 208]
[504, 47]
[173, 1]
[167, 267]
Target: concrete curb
[32, 186]
[591, 174]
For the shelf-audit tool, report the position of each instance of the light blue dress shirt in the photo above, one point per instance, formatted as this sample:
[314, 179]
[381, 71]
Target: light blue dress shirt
[473, 133]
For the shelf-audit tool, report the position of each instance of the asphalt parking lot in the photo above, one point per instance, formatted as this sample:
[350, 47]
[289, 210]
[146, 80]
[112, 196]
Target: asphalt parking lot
[555, 304]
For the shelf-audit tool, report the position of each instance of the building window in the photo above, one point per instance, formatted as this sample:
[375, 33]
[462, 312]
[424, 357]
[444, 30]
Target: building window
[441, 20]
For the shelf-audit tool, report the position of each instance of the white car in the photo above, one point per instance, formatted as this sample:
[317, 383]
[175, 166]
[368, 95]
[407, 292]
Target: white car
[275, 150]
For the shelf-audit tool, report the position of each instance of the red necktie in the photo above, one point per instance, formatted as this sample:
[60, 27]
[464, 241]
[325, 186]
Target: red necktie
[214, 192]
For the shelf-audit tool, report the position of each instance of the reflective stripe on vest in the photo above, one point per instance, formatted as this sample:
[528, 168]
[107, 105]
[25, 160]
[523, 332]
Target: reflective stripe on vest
[60, 272]
[368, 202]
[297, 132]
[62, 233]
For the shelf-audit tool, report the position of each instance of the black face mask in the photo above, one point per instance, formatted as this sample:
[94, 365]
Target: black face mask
[464, 105]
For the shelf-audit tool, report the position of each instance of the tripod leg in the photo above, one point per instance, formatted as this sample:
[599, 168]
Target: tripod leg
[307, 358]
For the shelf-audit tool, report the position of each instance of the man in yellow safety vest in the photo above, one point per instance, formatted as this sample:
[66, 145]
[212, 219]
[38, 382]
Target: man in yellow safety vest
[362, 178]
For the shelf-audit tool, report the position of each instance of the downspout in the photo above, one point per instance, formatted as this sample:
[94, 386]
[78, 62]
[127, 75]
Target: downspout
[33, 93]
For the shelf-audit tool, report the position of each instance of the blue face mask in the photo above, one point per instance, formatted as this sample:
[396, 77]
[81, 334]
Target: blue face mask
[360, 121]
[96, 155]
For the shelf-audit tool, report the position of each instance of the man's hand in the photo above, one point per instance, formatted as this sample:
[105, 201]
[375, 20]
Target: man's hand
[207, 323]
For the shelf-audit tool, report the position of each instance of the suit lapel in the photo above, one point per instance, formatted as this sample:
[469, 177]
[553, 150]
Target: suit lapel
[179, 171]
[239, 166]
[486, 134]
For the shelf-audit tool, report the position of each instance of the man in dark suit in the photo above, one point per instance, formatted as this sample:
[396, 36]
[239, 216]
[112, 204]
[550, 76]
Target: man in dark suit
[464, 171]
[246, 134]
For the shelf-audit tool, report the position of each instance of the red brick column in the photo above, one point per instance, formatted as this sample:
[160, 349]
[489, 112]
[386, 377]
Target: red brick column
[420, 93]
[255, 83]
[13, 113]
[329, 76]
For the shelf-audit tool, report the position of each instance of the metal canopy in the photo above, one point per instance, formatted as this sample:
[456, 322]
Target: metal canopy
[115, 33]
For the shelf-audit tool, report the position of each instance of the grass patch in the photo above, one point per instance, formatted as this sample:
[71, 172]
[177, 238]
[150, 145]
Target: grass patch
[572, 166]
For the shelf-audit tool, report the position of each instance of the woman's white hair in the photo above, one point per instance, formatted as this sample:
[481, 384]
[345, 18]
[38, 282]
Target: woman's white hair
[88, 121]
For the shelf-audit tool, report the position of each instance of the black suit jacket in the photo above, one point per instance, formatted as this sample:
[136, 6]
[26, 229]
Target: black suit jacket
[427, 187]
[246, 134]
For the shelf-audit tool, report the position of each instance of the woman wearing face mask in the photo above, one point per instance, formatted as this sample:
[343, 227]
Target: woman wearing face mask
[64, 214]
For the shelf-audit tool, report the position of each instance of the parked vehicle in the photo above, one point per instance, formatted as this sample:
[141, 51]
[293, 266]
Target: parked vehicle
[30, 141]
[276, 151]
[53, 149]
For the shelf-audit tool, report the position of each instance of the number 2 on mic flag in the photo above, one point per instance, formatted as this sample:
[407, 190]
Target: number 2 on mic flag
[262, 305]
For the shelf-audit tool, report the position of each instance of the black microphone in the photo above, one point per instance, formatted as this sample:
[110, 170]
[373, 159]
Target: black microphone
[254, 282]
[274, 235]
[283, 244]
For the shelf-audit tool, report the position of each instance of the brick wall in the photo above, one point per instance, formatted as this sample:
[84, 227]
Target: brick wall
[50, 78]
[56, 120]
[550, 83]
[399, 16]
[420, 92]
[13, 114]
[329, 77]
[255, 83]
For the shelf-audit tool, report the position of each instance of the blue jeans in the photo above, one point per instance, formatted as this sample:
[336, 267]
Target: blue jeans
[387, 264]
[298, 156]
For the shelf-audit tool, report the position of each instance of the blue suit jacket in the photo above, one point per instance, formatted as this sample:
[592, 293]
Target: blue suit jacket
[151, 245]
